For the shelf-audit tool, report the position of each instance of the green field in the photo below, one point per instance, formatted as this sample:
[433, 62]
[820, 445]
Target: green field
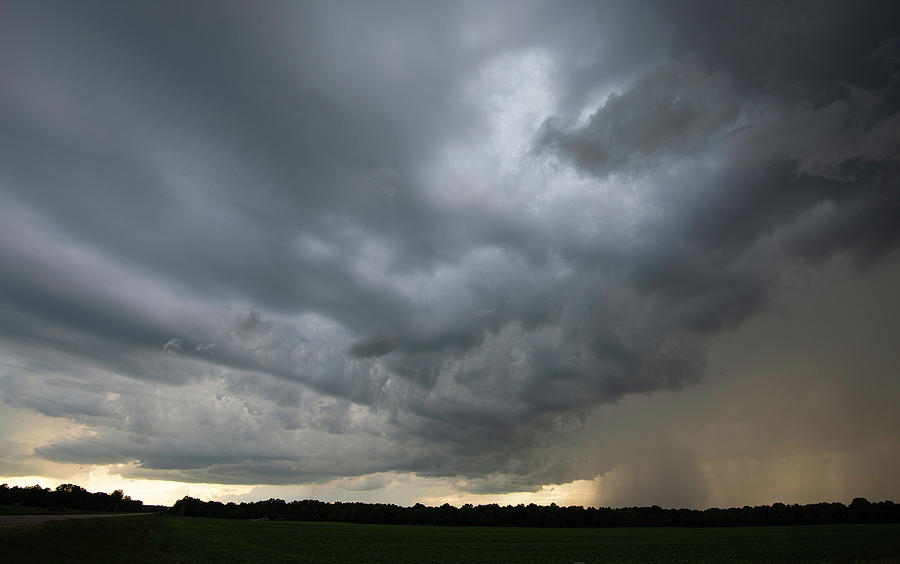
[182, 539]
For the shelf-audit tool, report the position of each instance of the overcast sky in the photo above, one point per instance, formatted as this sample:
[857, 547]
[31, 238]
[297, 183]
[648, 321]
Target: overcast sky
[602, 253]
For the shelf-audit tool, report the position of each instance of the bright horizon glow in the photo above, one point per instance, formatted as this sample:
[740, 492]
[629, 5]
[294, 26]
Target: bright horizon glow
[162, 492]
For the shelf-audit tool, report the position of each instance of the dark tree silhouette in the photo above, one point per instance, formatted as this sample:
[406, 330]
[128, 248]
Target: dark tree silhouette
[531, 515]
[70, 496]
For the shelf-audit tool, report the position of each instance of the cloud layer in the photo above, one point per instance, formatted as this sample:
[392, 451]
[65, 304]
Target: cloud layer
[312, 241]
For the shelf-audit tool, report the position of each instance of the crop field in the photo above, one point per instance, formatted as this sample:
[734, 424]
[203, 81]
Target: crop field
[184, 539]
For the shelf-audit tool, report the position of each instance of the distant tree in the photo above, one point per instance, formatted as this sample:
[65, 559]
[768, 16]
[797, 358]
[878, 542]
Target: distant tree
[69, 496]
[117, 495]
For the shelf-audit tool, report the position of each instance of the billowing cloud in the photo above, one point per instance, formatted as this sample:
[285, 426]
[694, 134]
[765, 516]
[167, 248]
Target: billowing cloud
[674, 111]
[308, 242]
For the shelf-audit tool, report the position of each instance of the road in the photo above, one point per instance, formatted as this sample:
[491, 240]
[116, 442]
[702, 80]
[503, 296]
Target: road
[15, 520]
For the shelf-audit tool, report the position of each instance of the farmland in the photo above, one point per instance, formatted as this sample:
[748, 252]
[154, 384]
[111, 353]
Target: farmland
[27, 510]
[175, 539]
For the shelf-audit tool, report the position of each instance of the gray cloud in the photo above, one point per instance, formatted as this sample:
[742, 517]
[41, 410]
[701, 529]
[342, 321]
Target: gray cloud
[378, 345]
[421, 239]
[674, 111]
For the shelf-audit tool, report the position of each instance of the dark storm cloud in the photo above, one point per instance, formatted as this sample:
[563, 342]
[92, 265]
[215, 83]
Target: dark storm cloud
[409, 237]
[674, 110]
[804, 50]
[378, 345]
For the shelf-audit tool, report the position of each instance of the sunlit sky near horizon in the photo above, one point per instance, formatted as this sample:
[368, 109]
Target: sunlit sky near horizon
[589, 253]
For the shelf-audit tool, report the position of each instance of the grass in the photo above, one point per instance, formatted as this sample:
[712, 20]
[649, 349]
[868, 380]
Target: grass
[27, 510]
[181, 539]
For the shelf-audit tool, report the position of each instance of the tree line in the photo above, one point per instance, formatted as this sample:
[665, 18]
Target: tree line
[70, 496]
[531, 515]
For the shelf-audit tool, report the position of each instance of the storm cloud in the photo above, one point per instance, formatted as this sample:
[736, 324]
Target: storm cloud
[301, 241]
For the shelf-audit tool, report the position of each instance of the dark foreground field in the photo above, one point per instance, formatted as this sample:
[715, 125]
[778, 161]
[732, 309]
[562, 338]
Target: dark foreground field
[181, 539]
[26, 510]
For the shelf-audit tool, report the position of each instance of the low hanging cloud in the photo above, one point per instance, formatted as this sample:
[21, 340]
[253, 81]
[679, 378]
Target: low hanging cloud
[424, 244]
